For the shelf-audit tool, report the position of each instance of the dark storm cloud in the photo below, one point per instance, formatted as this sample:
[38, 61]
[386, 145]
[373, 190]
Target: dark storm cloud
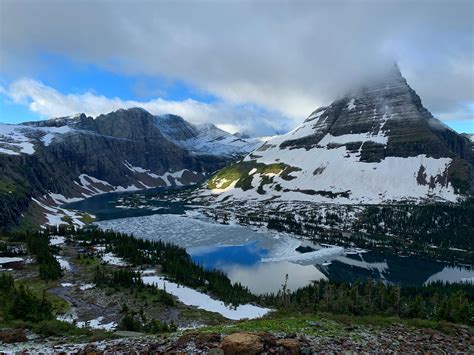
[289, 56]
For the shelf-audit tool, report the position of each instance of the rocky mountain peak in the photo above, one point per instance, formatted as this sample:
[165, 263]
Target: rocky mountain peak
[377, 144]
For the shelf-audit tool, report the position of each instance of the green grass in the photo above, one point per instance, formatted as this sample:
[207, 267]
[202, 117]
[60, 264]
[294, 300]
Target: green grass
[87, 218]
[10, 188]
[240, 172]
[327, 325]
[283, 323]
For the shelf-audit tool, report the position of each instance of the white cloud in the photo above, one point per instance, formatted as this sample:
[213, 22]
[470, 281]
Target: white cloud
[48, 102]
[286, 56]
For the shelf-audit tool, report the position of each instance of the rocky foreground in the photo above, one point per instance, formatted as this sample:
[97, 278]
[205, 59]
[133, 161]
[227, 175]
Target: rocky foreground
[395, 338]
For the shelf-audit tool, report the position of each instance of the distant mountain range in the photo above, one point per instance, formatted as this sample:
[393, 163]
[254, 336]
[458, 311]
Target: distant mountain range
[46, 163]
[377, 145]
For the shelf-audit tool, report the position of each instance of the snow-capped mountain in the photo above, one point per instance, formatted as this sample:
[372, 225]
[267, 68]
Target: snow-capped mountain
[376, 145]
[53, 161]
[204, 138]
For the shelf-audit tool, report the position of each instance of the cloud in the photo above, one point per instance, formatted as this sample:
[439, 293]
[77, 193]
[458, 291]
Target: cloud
[285, 56]
[48, 102]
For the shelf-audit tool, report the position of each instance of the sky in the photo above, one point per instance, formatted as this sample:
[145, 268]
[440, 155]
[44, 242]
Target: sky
[255, 67]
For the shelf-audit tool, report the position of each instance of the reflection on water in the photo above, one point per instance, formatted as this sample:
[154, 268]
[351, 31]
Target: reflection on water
[242, 263]
[218, 257]
[239, 250]
[450, 273]
[269, 277]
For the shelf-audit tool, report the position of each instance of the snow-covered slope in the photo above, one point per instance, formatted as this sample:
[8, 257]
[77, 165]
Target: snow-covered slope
[378, 145]
[20, 139]
[204, 138]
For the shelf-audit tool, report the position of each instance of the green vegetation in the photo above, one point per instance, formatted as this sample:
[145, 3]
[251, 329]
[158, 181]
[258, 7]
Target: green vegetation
[22, 308]
[321, 308]
[138, 322]
[324, 324]
[10, 189]
[440, 225]
[123, 278]
[284, 322]
[240, 171]
[19, 303]
[38, 245]
[439, 231]
[436, 301]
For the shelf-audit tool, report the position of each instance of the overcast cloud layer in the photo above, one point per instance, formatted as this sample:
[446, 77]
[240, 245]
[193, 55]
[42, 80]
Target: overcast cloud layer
[285, 56]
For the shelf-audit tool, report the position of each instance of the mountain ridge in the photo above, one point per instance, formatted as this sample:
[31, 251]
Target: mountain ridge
[47, 163]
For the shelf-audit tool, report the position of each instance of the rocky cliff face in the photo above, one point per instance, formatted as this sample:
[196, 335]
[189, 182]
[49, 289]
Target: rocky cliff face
[376, 145]
[60, 159]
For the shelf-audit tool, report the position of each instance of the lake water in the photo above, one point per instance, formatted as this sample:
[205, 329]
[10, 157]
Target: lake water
[257, 258]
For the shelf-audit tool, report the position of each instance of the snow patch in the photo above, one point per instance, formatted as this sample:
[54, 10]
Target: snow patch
[65, 265]
[191, 297]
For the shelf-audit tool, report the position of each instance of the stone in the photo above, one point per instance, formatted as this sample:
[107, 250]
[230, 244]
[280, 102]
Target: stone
[216, 351]
[9, 336]
[292, 346]
[242, 344]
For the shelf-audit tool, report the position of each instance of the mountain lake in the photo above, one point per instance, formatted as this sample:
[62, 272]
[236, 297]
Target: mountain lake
[261, 259]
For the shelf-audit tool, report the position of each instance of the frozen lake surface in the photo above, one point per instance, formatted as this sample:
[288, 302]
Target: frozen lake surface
[257, 258]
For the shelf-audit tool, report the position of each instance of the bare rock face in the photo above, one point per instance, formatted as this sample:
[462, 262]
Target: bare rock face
[376, 145]
[242, 343]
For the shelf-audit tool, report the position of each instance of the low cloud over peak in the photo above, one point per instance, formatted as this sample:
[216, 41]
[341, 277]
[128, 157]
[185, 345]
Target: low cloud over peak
[283, 56]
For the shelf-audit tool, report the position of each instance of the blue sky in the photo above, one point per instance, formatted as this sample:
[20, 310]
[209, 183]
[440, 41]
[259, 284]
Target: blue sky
[199, 61]
[75, 78]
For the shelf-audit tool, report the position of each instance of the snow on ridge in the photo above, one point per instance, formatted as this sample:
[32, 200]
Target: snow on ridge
[54, 215]
[13, 140]
[56, 240]
[353, 137]
[20, 139]
[176, 175]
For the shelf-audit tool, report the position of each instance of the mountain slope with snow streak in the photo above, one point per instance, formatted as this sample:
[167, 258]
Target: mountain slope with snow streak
[48, 162]
[377, 145]
[204, 138]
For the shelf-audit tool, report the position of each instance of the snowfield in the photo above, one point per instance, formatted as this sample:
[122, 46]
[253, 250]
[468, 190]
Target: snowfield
[191, 297]
[20, 139]
[336, 170]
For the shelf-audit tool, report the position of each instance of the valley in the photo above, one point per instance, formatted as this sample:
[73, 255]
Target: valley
[138, 227]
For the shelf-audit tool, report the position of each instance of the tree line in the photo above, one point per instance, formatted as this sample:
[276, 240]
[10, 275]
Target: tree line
[437, 301]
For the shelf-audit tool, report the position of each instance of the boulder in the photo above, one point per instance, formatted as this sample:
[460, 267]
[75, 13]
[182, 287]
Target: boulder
[242, 343]
[292, 346]
[9, 336]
